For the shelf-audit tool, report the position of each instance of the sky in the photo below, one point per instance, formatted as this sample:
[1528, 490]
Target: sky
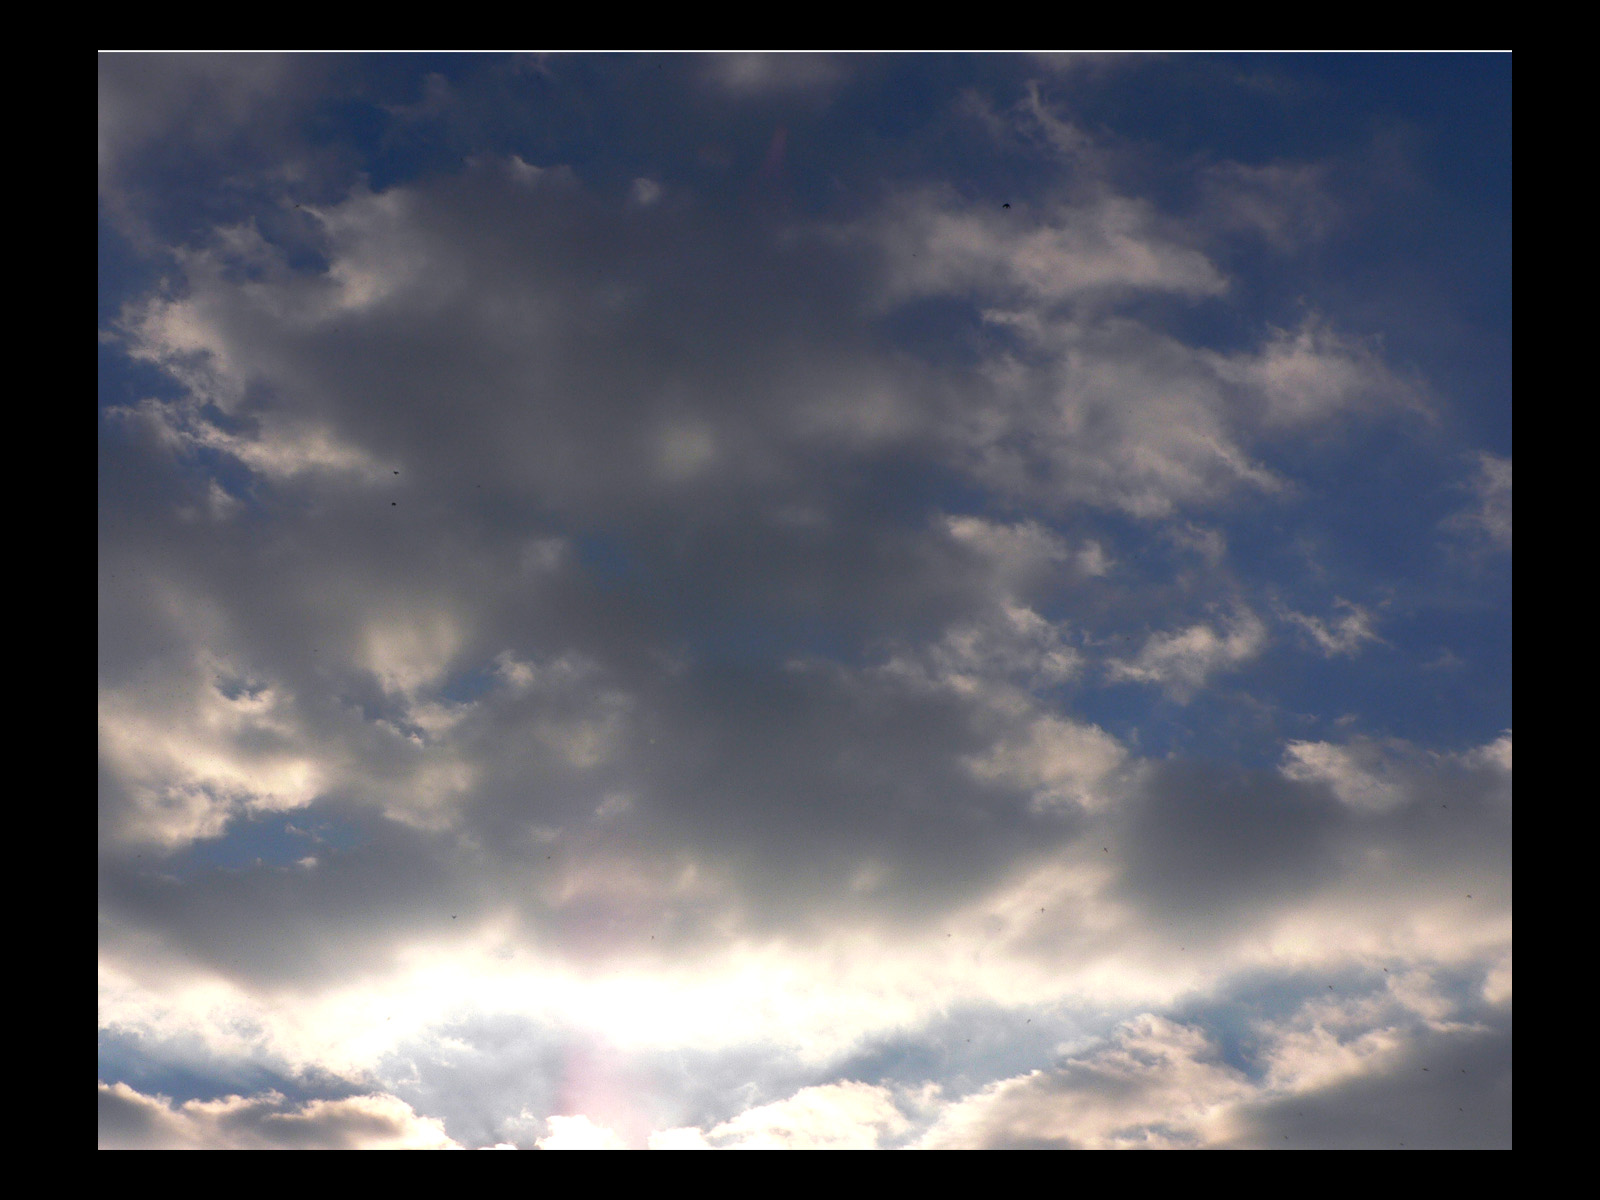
[899, 601]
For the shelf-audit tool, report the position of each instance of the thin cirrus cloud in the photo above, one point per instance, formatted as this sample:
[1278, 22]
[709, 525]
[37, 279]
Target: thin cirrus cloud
[709, 601]
[1488, 519]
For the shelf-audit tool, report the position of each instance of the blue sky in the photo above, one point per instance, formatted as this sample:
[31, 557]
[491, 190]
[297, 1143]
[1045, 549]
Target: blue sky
[790, 601]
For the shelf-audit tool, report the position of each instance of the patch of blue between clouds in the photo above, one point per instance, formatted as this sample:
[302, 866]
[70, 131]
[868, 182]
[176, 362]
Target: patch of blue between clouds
[269, 840]
[184, 1070]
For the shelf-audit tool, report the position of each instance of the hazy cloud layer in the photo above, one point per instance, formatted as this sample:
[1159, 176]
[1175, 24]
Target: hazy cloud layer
[787, 601]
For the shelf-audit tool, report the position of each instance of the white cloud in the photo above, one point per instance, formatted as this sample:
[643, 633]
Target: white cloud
[1344, 635]
[1182, 661]
[200, 99]
[1361, 774]
[645, 192]
[131, 1120]
[840, 1116]
[1015, 644]
[1162, 1084]
[410, 650]
[1059, 761]
[1490, 518]
[1103, 411]
[1290, 205]
[1497, 985]
[528, 175]
[686, 1138]
[758, 74]
[1373, 775]
[1210, 544]
[1312, 374]
[1026, 550]
[580, 1133]
[1495, 754]
[1105, 248]
[275, 450]
[1158, 1085]
[205, 754]
[567, 837]
[686, 450]
[557, 674]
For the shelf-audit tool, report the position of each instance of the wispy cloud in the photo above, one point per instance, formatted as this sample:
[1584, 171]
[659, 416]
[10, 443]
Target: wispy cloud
[1489, 518]
[1182, 660]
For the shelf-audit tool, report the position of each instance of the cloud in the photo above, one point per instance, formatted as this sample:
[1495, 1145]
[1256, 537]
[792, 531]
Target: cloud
[1377, 776]
[1107, 414]
[842, 1116]
[1158, 1086]
[215, 745]
[1342, 636]
[276, 453]
[1296, 895]
[646, 192]
[1058, 762]
[201, 99]
[1011, 646]
[1024, 550]
[579, 1133]
[1289, 205]
[130, 1120]
[622, 638]
[1490, 518]
[1183, 660]
[1109, 247]
[1360, 775]
[1313, 373]
[760, 74]
[1162, 1084]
